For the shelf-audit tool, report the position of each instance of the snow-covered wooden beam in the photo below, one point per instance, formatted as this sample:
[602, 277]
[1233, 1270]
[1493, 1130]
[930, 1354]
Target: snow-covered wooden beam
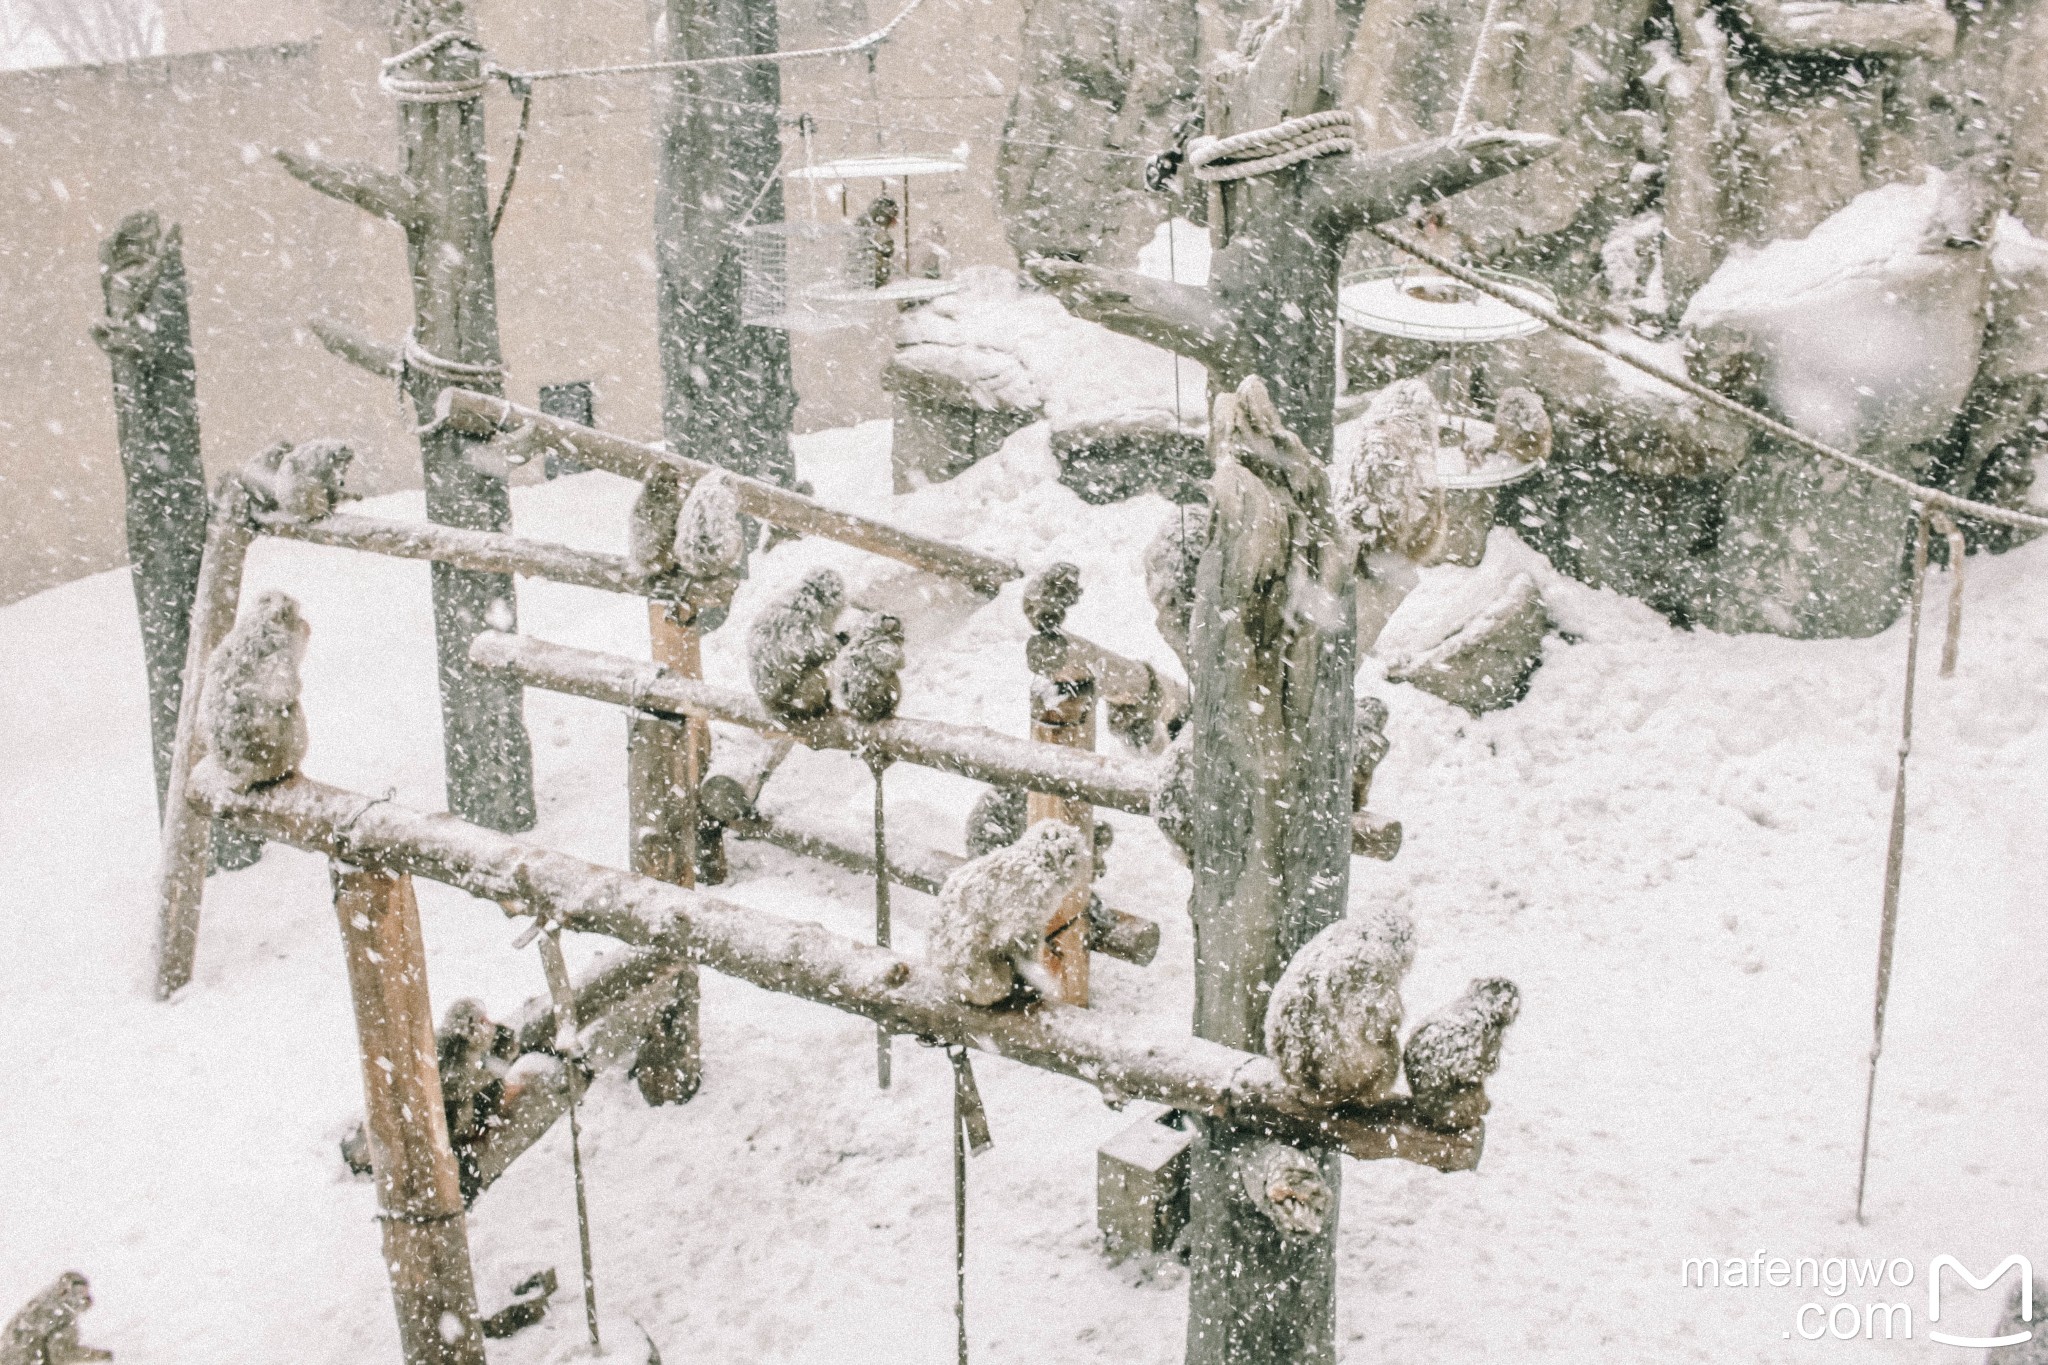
[479, 414]
[1124, 1058]
[969, 750]
[485, 551]
[364, 352]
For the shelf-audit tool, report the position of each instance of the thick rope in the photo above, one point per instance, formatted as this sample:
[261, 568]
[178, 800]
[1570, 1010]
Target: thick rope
[414, 90]
[866, 43]
[418, 357]
[1261, 151]
[1921, 495]
[1471, 86]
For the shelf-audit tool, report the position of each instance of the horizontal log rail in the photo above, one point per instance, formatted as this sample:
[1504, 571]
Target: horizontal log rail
[969, 750]
[484, 551]
[481, 415]
[809, 962]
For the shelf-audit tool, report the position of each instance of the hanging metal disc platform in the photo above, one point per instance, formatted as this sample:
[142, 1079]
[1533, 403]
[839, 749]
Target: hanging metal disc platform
[1416, 303]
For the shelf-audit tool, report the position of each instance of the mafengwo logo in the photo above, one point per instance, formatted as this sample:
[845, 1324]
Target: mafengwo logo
[1841, 1314]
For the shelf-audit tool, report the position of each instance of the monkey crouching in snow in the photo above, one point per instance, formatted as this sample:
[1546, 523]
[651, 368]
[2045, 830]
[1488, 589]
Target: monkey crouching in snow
[790, 644]
[1333, 1025]
[250, 711]
[45, 1331]
[994, 911]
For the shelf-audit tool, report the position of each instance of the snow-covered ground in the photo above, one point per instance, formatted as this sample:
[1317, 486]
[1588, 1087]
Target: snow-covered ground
[1674, 845]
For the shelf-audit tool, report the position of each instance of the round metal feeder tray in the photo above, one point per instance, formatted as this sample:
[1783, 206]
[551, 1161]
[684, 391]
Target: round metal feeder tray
[895, 291]
[1418, 304]
[875, 168]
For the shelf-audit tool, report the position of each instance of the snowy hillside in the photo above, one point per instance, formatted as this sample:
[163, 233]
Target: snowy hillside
[1674, 845]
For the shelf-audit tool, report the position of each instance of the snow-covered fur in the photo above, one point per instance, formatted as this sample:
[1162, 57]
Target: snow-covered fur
[651, 526]
[1286, 1185]
[1333, 1025]
[1456, 1049]
[1171, 560]
[1522, 426]
[711, 539]
[1384, 492]
[790, 644]
[996, 821]
[300, 482]
[45, 1331]
[250, 709]
[864, 676]
[1173, 799]
[993, 911]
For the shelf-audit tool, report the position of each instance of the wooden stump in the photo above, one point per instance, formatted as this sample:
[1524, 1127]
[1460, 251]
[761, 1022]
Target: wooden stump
[147, 335]
[419, 1196]
[1064, 714]
[665, 764]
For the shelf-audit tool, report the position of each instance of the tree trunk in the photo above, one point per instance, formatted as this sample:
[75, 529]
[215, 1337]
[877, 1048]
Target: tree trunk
[147, 335]
[419, 1198]
[727, 397]
[488, 756]
[1272, 648]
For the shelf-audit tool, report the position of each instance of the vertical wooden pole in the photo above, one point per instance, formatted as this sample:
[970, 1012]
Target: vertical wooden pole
[727, 397]
[1064, 713]
[419, 1196]
[147, 335]
[181, 872]
[665, 766]
[488, 756]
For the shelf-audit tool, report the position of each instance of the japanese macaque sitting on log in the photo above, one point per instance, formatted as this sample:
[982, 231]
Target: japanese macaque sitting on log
[692, 549]
[1146, 708]
[792, 642]
[1333, 1025]
[1450, 1057]
[865, 680]
[994, 912]
[45, 1331]
[250, 711]
[303, 482]
[474, 1054]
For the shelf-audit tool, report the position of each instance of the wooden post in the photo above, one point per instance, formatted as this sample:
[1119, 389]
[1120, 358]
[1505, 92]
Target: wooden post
[665, 763]
[727, 397]
[419, 1197]
[1063, 713]
[441, 197]
[147, 335]
[181, 872]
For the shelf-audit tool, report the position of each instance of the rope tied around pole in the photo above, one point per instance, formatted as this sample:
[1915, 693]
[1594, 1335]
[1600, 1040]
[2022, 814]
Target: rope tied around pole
[1261, 151]
[459, 372]
[416, 90]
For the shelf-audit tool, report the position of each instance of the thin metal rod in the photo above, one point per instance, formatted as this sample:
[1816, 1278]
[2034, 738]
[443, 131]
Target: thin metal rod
[960, 1219]
[882, 1047]
[583, 1222]
[1895, 858]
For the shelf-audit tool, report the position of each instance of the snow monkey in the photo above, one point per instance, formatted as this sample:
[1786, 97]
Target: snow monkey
[250, 709]
[1171, 560]
[1521, 426]
[301, 482]
[996, 821]
[864, 676]
[45, 1331]
[1385, 491]
[651, 527]
[1333, 1025]
[790, 644]
[1450, 1056]
[710, 537]
[993, 911]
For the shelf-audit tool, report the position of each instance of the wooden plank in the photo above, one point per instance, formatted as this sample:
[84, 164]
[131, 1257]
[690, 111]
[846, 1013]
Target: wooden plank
[1064, 715]
[492, 552]
[485, 415]
[419, 1196]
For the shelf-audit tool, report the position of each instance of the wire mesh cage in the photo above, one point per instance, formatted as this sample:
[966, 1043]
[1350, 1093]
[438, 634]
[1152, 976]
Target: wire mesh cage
[798, 276]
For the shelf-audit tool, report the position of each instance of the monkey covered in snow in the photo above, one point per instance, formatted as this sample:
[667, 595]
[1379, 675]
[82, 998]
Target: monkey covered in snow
[1521, 426]
[791, 643]
[996, 821]
[1286, 1185]
[250, 709]
[1450, 1056]
[1173, 797]
[1387, 490]
[864, 676]
[993, 911]
[1333, 1025]
[303, 482]
[690, 549]
[473, 1053]
[1171, 560]
[651, 526]
[711, 538]
[45, 1331]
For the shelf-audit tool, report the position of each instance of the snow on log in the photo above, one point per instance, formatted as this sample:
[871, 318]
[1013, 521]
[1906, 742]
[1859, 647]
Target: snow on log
[484, 551]
[479, 414]
[969, 750]
[1124, 1058]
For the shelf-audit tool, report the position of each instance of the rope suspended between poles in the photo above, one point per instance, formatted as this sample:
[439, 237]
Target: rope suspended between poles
[1895, 852]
